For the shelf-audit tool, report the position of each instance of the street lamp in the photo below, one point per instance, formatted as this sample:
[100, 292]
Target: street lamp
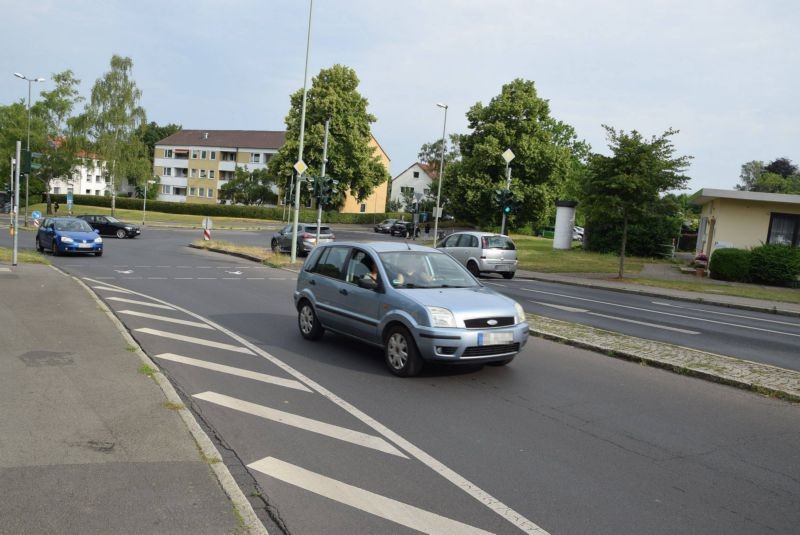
[441, 177]
[144, 205]
[30, 81]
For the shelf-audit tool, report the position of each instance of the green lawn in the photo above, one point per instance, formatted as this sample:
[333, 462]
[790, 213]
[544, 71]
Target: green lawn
[23, 257]
[754, 291]
[537, 254]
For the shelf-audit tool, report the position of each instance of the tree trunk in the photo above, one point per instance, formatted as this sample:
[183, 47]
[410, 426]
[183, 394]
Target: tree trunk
[624, 242]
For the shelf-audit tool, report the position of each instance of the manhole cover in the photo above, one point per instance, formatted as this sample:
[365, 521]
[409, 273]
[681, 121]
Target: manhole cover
[46, 358]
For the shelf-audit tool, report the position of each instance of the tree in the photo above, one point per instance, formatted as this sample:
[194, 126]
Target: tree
[544, 148]
[431, 154]
[249, 187]
[628, 183]
[351, 160]
[749, 175]
[782, 166]
[151, 133]
[13, 128]
[779, 176]
[113, 118]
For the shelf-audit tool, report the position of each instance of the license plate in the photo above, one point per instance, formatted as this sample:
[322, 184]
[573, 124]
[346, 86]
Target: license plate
[493, 339]
[84, 246]
[501, 267]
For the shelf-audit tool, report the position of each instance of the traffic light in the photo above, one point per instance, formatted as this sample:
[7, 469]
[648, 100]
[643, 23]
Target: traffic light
[500, 197]
[327, 187]
[510, 203]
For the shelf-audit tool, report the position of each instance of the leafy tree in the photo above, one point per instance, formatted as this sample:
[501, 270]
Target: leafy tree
[627, 184]
[351, 160]
[431, 154]
[113, 118]
[782, 166]
[749, 175]
[779, 176]
[544, 148]
[13, 128]
[249, 187]
[151, 133]
[407, 198]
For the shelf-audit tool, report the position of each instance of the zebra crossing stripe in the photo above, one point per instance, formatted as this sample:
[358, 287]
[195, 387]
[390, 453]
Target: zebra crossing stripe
[140, 303]
[193, 340]
[166, 319]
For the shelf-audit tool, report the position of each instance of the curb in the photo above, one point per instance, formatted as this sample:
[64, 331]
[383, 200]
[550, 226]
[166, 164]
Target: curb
[245, 256]
[207, 449]
[649, 293]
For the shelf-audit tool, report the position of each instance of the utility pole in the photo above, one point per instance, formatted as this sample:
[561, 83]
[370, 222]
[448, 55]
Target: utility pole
[16, 206]
[322, 178]
[508, 155]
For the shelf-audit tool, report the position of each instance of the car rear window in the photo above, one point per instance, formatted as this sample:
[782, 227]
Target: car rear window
[322, 230]
[497, 242]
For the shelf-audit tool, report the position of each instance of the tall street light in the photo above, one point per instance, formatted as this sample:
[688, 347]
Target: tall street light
[30, 82]
[441, 178]
[144, 205]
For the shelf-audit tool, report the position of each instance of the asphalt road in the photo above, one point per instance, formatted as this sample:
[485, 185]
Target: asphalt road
[563, 439]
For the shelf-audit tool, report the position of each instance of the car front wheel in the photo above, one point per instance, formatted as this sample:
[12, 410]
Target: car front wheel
[121, 233]
[307, 320]
[400, 350]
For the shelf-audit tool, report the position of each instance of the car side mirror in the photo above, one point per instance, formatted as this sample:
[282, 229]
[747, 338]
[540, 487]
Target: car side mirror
[96, 230]
[367, 283]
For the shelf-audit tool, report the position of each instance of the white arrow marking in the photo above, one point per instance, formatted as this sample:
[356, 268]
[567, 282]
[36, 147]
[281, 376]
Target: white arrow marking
[234, 272]
[124, 271]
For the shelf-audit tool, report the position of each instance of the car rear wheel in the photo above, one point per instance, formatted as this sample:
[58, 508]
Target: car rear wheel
[508, 275]
[307, 320]
[501, 362]
[402, 356]
[54, 248]
[39, 246]
[121, 233]
[473, 268]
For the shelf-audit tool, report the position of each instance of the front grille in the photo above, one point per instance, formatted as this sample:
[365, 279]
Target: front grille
[488, 351]
[481, 323]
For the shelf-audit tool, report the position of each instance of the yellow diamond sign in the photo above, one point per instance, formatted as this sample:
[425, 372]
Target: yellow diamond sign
[300, 167]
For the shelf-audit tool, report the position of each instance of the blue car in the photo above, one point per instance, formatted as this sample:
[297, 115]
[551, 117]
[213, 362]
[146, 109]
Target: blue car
[63, 235]
[416, 303]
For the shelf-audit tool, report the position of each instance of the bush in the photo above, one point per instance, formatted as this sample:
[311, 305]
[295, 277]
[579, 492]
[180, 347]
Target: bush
[775, 264]
[730, 265]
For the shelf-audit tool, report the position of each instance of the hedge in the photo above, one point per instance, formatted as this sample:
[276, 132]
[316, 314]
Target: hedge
[730, 265]
[272, 213]
[775, 264]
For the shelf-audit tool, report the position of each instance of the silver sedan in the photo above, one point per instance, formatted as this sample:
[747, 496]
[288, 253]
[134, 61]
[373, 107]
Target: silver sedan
[416, 303]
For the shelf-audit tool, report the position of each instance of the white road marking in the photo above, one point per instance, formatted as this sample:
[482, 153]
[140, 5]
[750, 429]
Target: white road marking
[105, 278]
[184, 267]
[657, 326]
[230, 370]
[234, 272]
[255, 278]
[486, 499]
[231, 278]
[124, 271]
[206, 278]
[663, 313]
[561, 307]
[301, 422]
[166, 319]
[163, 267]
[193, 340]
[142, 303]
[142, 266]
[107, 289]
[203, 267]
[392, 510]
[745, 316]
[132, 278]
[184, 278]
[156, 278]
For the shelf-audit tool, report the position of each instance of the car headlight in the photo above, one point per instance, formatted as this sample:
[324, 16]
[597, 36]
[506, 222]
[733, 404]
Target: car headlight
[520, 315]
[128, 228]
[98, 240]
[66, 239]
[441, 317]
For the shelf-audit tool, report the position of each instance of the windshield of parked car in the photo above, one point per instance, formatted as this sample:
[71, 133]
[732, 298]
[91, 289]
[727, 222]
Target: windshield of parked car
[73, 225]
[424, 269]
[498, 242]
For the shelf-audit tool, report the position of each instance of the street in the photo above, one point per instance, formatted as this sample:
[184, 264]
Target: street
[563, 440]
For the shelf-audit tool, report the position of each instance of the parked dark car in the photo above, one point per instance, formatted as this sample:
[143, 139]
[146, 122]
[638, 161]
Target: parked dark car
[385, 226]
[404, 228]
[306, 237]
[68, 235]
[111, 226]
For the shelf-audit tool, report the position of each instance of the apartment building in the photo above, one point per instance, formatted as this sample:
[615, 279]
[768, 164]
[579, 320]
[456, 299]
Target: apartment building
[194, 164]
[86, 179]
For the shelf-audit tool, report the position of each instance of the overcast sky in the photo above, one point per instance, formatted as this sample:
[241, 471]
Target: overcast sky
[725, 73]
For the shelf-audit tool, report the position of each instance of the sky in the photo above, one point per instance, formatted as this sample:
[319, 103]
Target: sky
[724, 73]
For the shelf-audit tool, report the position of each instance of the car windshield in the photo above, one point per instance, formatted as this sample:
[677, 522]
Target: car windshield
[425, 269]
[73, 225]
[498, 242]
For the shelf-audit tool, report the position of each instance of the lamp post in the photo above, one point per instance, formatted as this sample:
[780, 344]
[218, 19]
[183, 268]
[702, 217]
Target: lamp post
[30, 82]
[441, 178]
[144, 205]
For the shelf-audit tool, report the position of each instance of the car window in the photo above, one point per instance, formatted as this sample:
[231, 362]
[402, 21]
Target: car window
[331, 262]
[423, 269]
[109, 219]
[464, 240]
[451, 240]
[73, 225]
[101, 220]
[498, 242]
[361, 265]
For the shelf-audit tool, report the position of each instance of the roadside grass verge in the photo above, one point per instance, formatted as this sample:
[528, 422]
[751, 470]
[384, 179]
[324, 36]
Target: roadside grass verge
[23, 257]
[784, 295]
[160, 218]
[262, 254]
[537, 254]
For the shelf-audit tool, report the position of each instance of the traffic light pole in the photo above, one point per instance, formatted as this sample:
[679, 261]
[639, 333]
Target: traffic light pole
[508, 188]
[15, 215]
[324, 162]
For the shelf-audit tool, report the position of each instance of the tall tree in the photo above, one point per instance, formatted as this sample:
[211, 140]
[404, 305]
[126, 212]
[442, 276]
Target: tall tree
[151, 133]
[749, 175]
[62, 144]
[13, 128]
[351, 160]
[544, 148]
[779, 176]
[431, 154]
[113, 116]
[782, 166]
[249, 187]
[628, 183]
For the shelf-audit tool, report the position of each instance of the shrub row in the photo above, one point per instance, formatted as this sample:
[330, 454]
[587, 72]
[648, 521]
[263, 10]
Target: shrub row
[272, 213]
[766, 264]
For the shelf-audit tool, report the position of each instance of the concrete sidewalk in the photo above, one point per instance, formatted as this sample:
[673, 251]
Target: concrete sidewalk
[88, 442]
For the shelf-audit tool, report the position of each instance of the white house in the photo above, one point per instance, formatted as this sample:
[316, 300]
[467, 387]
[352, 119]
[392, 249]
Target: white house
[415, 179]
[86, 179]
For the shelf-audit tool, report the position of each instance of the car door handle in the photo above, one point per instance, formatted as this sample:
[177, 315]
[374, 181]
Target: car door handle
[343, 291]
[312, 282]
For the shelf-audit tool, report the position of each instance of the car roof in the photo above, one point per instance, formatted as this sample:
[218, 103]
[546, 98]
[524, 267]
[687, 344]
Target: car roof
[383, 246]
[479, 233]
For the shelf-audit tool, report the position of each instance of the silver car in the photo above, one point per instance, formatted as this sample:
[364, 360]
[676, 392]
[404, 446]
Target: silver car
[306, 237]
[483, 252]
[415, 302]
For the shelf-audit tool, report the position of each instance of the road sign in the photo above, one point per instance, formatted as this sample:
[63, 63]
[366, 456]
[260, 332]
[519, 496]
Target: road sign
[36, 214]
[508, 155]
[300, 167]
[69, 201]
[206, 223]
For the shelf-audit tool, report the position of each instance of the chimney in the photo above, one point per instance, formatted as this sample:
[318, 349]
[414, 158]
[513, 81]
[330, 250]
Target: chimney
[205, 135]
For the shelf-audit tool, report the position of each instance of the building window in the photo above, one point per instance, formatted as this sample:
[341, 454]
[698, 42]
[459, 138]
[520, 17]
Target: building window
[203, 154]
[784, 229]
[406, 189]
[98, 178]
[97, 192]
[56, 190]
[166, 189]
[194, 173]
[202, 173]
[213, 155]
[192, 191]
[88, 191]
[210, 173]
[202, 192]
[363, 208]
[416, 174]
[255, 157]
[195, 153]
[168, 171]
[267, 157]
[167, 153]
[210, 193]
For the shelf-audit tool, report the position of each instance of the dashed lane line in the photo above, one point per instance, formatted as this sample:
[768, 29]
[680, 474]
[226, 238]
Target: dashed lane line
[615, 318]
[109, 289]
[194, 340]
[166, 319]
[140, 303]
[719, 313]
[238, 372]
[358, 498]
[301, 422]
